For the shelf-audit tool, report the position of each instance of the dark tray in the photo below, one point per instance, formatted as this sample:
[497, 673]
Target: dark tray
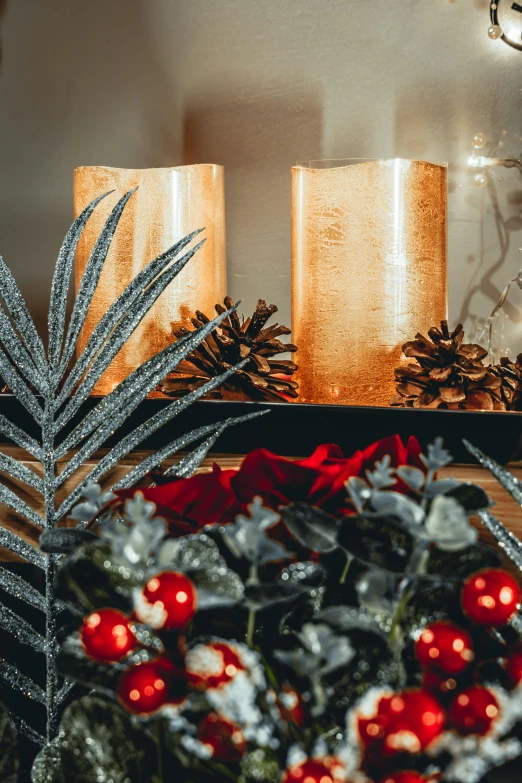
[295, 429]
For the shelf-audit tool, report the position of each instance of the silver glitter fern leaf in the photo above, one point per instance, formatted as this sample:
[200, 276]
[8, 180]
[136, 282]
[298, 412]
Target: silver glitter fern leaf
[39, 381]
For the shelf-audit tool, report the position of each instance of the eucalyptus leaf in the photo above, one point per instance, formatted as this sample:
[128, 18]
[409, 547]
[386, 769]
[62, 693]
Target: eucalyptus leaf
[189, 553]
[413, 477]
[64, 540]
[470, 496]
[350, 618]
[90, 578]
[432, 600]
[217, 586]
[303, 573]
[461, 564]
[263, 596]
[310, 526]
[377, 539]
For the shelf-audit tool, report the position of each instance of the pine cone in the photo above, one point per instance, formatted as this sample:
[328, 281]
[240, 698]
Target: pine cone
[263, 378]
[448, 374]
[510, 374]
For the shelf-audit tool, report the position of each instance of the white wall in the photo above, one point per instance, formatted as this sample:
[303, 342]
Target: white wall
[256, 85]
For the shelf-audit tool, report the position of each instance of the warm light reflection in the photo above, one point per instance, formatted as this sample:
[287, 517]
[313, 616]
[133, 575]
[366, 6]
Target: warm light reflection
[168, 204]
[368, 273]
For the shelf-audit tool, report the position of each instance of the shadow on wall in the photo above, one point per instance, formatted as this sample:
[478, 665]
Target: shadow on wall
[93, 101]
[504, 227]
[257, 131]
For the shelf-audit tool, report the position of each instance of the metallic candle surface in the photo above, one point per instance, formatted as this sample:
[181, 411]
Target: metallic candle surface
[369, 250]
[168, 204]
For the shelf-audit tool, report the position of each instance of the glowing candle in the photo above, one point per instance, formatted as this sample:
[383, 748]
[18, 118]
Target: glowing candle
[168, 204]
[369, 251]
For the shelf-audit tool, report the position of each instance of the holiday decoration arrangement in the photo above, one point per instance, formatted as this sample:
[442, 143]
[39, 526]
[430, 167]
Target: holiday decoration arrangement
[327, 619]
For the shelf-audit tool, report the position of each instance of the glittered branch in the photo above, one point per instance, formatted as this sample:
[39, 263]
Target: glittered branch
[129, 442]
[28, 372]
[17, 308]
[60, 284]
[21, 438]
[503, 476]
[20, 629]
[506, 540]
[20, 472]
[134, 387]
[180, 443]
[19, 588]
[20, 547]
[20, 682]
[12, 501]
[134, 291]
[19, 387]
[189, 464]
[19, 354]
[126, 445]
[89, 281]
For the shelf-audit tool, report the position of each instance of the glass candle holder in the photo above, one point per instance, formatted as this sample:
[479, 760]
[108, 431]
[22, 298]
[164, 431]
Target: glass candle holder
[369, 251]
[169, 204]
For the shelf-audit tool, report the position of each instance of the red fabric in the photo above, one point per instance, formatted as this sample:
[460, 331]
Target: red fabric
[218, 496]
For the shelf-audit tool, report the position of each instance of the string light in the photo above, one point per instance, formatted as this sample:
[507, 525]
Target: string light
[495, 31]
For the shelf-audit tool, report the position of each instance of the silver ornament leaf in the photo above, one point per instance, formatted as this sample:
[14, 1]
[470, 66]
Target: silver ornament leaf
[90, 278]
[12, 501]
[502, 475]
[20, 438]
[19, 353]
[20, 629]
[20, 682]
[61, 277]
[128, 443]
[139, 383]
[18, 546]
[159, 456]
[133, 389]
[119, 308]
[23, 361]
[18, 311]
[19, 588]
[23, 728]
[19, 471]
[187, 466]
[19, 387]
[506, 540]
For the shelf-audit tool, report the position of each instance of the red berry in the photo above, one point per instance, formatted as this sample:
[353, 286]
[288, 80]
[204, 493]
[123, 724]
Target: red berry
[438, 683]
[407, 722]
[291, 706]
[144, 688]
[225, 739]
[212, 665]
[445, 647]
[514, 667]
[473, 711]
[106, 635]
[490, 597]
[407, 776]
[168, 600]
[313, 771]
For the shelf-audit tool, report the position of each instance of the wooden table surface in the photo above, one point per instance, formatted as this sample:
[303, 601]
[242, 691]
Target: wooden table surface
[505, 508]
